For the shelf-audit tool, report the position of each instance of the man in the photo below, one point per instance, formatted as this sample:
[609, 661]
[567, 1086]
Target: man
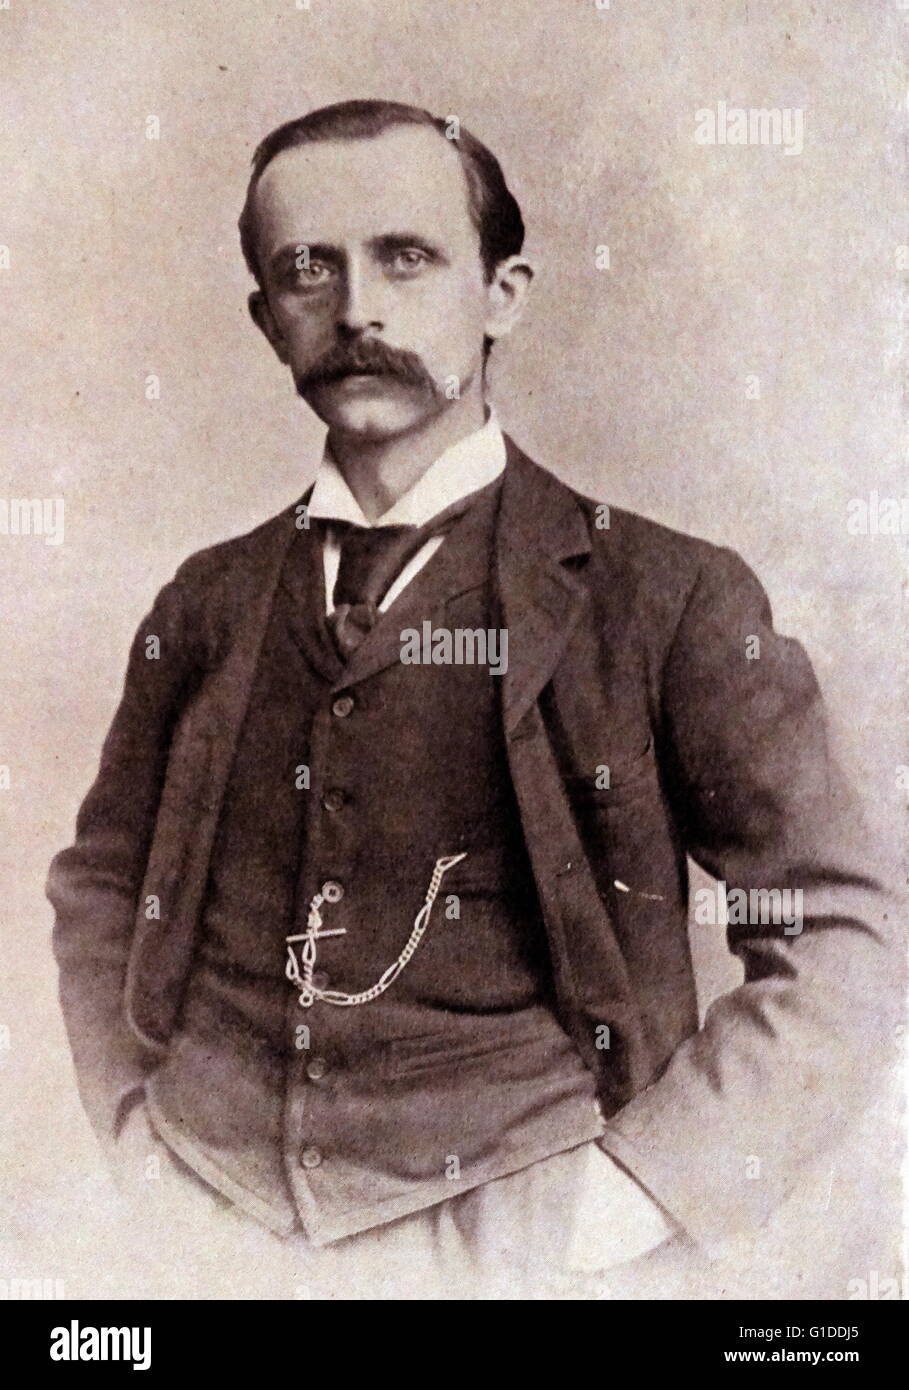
[374, 929]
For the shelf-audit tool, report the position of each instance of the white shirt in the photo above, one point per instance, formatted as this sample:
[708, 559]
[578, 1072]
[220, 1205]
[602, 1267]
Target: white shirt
[470, 464]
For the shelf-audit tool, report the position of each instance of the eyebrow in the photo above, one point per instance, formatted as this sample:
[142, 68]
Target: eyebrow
[388, 242]
[401, 241]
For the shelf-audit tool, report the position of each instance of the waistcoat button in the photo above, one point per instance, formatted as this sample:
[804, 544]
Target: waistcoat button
[310, 1157]
[342, 706]
[333, 799]
[320, 979]
[332, 892]
[316, 1069]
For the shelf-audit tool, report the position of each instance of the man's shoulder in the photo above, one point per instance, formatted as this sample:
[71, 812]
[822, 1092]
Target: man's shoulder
[247, 553]
[629, 541]
[629, 563]
[641, 538]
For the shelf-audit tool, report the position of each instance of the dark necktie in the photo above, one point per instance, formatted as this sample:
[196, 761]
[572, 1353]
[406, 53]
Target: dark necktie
[371, 559]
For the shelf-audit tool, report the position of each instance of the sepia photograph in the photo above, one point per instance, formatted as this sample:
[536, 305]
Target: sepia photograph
[455, 756]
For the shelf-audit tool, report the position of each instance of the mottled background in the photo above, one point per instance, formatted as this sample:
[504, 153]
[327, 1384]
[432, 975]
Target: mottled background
[629, 382]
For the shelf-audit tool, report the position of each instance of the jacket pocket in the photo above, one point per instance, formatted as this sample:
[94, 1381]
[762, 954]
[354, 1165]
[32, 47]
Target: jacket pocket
[485, 871]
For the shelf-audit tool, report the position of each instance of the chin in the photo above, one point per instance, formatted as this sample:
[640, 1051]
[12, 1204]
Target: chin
[373, 419]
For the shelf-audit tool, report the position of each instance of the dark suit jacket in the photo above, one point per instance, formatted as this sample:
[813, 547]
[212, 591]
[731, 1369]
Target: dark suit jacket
[627, 648]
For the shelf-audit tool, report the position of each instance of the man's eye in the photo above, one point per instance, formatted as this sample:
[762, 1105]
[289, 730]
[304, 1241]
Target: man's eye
[409, 259]
[316, 273]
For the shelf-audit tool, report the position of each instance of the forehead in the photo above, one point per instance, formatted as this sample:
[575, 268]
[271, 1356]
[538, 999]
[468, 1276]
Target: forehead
[345, 191]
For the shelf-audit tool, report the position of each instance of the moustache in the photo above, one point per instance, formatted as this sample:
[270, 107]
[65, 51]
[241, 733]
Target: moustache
[370, 356]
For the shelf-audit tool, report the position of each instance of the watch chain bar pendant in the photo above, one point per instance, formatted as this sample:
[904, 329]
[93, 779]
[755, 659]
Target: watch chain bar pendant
[304, 981]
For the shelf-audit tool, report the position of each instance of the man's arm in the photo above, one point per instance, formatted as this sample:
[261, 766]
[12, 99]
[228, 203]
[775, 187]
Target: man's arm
[785, 1060]
[94, 884]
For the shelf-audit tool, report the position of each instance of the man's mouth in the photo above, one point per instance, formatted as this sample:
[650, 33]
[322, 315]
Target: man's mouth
[360, 374]
[354, 372]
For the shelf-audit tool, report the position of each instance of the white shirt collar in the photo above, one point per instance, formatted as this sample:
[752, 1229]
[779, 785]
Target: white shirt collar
[464, 467]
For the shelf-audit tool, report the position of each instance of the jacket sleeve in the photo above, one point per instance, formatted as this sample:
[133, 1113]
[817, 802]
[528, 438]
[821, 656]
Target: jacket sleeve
[94, 885]
[784, 1061]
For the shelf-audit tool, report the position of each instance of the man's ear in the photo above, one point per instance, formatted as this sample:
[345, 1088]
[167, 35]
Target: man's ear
[263, 318]
[506, 295]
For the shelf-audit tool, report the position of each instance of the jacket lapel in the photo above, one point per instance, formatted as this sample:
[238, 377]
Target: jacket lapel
[545, 608]
[540, 527]
[202, 751]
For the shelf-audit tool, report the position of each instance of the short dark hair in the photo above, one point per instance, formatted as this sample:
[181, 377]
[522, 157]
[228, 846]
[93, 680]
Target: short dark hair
[493, 208]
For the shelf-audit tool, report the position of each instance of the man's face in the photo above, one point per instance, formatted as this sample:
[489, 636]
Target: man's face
[387, 303]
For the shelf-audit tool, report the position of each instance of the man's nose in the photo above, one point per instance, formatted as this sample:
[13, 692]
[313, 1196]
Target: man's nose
[361, 303]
